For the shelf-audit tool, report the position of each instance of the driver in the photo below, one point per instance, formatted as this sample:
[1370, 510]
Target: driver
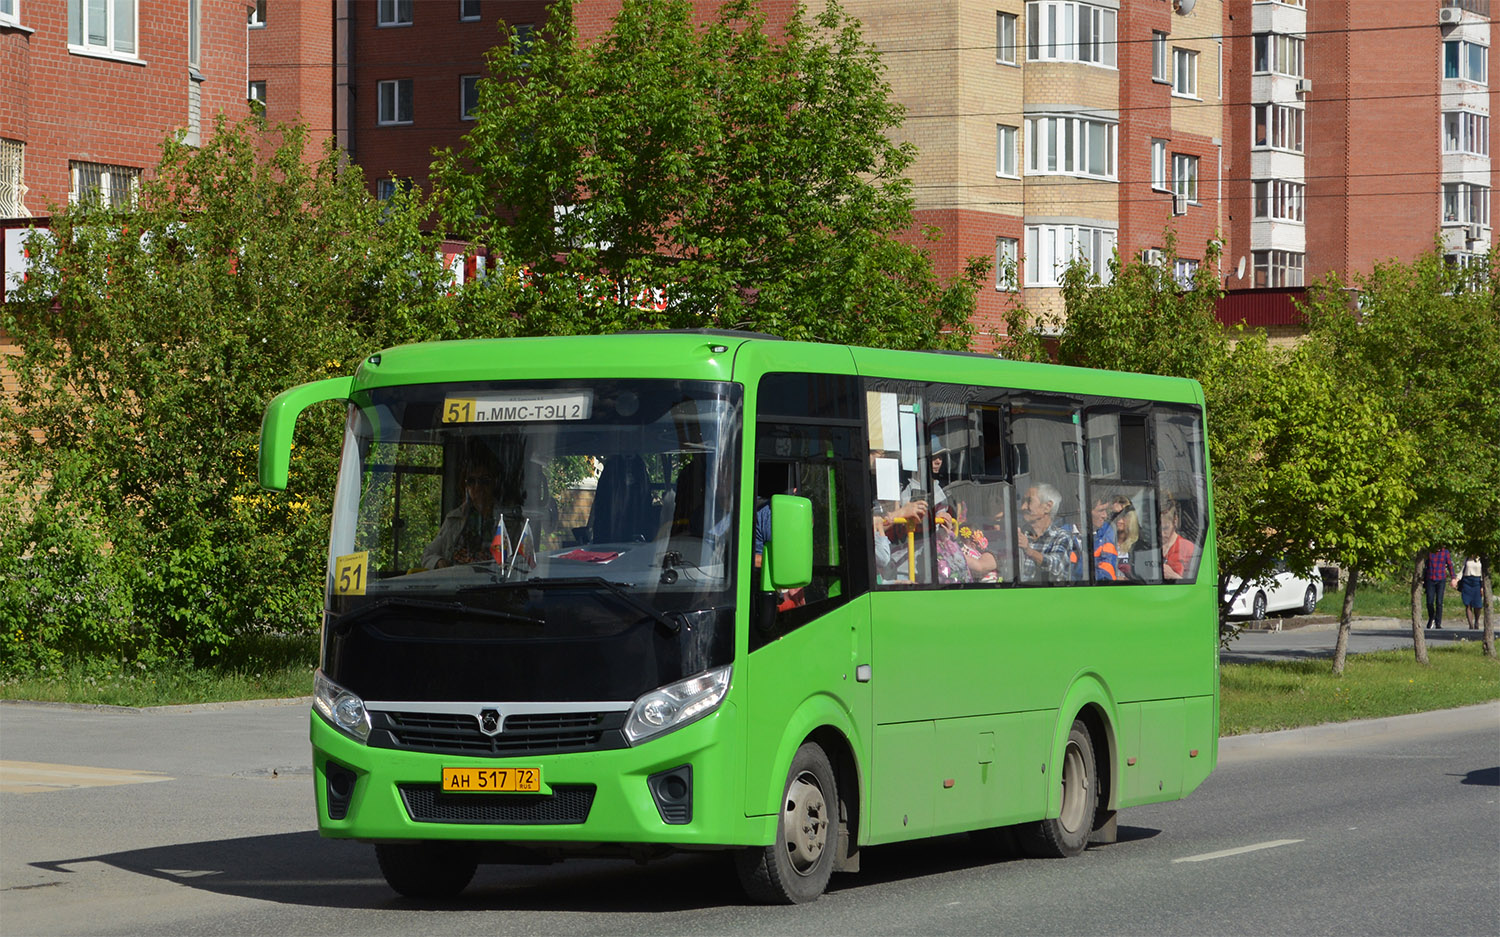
[469, 529]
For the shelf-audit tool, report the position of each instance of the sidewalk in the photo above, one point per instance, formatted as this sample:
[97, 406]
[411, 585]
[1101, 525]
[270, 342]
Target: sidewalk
[1314, 636]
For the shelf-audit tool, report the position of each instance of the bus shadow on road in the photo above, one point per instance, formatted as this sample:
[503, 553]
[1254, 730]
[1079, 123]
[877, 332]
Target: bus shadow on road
[305, 869]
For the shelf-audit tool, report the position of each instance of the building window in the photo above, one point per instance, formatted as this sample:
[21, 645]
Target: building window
[107, 185]
[1159, 165]
[1073, 146]
[468, 95]
[1277, 126]
[1005, 151]
[387, 189]
[1159, 60]
[1060, 31]
[1277, 268]
[1005, 38]
[393, 13]
[1183, 270]
[106, 26]
[395, 102]
[1050, 247]
[468, 10]
[257, 94]
[9, 14]
[1465, 60]
[12, 178]
[1278, 199]
[1278, 54]
[1185, 176]
[1466, 132]
[1466, 203]
[1185, 73]
[258, 15]
[1005, 263]
[195, 32]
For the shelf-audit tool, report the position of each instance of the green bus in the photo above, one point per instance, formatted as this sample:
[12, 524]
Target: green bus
[637, 593]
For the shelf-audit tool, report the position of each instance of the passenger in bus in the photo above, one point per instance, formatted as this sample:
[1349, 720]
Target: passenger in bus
[1127, 534]
[1106, 553]
[914, 492]
[1177, 551]
[1050, 550]
[468, 531]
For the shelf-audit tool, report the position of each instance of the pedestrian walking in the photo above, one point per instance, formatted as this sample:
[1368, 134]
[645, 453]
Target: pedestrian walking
[1471, 590]
[1436, 571]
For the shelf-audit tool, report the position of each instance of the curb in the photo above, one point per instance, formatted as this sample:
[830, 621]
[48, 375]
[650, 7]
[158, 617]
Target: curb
[1433, 722]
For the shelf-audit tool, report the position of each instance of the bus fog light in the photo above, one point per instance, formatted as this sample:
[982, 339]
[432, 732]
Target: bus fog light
[677, 704]
[344, 709]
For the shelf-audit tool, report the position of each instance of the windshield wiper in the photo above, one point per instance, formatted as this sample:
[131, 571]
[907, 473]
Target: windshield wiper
[455, 607]
[618, 589]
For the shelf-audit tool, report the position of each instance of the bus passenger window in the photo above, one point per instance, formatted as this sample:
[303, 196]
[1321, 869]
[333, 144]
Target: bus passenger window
[1050, 547]
[1180, 446]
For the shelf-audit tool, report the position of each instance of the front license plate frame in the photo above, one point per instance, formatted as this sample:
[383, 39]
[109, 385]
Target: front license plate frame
[510, 780]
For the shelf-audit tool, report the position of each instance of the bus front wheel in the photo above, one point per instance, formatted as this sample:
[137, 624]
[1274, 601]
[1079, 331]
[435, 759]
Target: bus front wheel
[1068, 833]
[796, 867]
[427, 870]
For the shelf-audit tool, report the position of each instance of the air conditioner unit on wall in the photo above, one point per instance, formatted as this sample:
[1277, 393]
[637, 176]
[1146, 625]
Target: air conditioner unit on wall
[1448, 16]
[1179, 204]
[1474, 232]
[1304, 85]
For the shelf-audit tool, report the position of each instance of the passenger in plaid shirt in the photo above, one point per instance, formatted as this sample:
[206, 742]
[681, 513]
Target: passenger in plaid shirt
[1436, 573]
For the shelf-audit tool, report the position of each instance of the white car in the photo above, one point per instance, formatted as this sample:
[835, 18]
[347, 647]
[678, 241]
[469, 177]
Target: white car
[1285, 592]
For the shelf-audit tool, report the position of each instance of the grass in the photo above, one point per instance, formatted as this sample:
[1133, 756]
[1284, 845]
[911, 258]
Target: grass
[259, 668]
[1287, 694]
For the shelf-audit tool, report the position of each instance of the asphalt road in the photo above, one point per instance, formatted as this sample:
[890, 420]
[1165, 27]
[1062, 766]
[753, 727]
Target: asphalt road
[197, 820]
[1306, 638]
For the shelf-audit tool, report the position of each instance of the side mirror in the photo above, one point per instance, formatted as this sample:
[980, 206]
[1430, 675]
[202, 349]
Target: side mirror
[789, 554]
[280, 419]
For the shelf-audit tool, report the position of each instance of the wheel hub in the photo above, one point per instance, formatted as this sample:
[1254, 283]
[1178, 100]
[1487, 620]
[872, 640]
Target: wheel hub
[805, 823]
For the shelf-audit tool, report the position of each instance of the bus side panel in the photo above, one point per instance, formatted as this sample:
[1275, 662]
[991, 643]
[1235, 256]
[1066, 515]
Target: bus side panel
[995, 782]
[902, 790]
[1157, 774]
[1203, 738]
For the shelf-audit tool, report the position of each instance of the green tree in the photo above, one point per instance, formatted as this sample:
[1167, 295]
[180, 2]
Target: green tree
[750, 179]
[151, 340]
[1423, 345]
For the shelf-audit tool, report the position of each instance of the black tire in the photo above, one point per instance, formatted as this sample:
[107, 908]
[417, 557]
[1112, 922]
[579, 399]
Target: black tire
[1309, 601]
[427, 870]
[1258, 607]
[1068, 834]
[795, 868]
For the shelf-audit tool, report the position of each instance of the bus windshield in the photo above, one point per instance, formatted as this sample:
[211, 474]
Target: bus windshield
[583, 507]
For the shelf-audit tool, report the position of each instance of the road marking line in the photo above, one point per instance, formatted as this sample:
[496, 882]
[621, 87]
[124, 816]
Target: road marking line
[1223, 853]
[30, 777]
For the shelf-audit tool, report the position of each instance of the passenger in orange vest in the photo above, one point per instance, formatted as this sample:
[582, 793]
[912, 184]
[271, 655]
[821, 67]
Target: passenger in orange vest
[1106, 554]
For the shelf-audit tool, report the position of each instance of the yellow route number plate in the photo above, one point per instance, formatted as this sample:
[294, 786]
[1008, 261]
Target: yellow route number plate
[492, 780]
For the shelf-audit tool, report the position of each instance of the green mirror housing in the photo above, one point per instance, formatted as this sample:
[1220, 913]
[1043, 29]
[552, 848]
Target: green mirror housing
[790, 552]
[281, 418]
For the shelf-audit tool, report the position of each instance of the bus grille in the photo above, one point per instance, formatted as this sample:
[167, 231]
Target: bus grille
[568, 803]
[524, 733]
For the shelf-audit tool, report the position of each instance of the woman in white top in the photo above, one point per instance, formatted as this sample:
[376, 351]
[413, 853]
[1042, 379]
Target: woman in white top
[1471, 588]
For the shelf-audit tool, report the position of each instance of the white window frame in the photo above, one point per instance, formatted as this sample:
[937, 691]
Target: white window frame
[1161, 61]
[390, 95]
[1277, 54]
[1007, 264]
[1064, 145]
[10, 12]
[1005, 38]
[1184, 72]
[1183, 269]
[1284, 127]
[468, 96]
[119, 39]
[195, 33]
[1466, 132]
[1068, 31]
[1050, 247]
[256, 91]
[257, 18]
[109, 180]
[1159, 166]
[1278, 200]
[1273, 268]
[1185, 176]
[393, 12]
[1007, 159]
[1466, 203]
[468, 11]
[1466, 53]
[12, 179]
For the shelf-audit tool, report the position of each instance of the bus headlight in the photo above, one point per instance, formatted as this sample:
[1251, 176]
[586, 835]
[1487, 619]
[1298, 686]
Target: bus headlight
[340, 707]
[676, 704]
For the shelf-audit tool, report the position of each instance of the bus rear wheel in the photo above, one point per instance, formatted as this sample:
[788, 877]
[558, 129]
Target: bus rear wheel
[795, 868]
[427, 870]
[1068, 833]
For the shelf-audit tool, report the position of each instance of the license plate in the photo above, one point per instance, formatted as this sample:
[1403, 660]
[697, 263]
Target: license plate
[492, 780]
